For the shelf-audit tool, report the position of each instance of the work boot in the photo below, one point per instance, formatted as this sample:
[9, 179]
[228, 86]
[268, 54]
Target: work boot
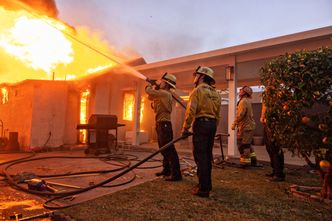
[253, 158]
[277, 179]
[269, 174]
[163, 173]
[173, 178]
[244, 161]
[197, 192]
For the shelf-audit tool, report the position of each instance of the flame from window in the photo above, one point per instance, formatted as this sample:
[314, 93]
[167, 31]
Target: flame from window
[4, 92]
[129, 106]
[142, 109]
[83, 114]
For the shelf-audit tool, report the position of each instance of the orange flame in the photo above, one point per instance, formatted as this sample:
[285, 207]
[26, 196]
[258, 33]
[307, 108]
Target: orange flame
[129, 106]
[35, 47]
[83, 113]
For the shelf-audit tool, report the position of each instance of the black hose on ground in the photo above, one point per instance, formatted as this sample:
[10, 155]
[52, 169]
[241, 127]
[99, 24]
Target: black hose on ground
[32, 154]
[64, 174]
[13, 183]
[123, 183]
[2, 173]
[112, 178]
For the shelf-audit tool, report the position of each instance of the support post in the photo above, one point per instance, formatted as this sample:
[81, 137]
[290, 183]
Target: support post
[137, 113]
[232, 87]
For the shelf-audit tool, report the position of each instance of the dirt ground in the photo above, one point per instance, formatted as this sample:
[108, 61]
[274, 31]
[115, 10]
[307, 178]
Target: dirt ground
[238, 194]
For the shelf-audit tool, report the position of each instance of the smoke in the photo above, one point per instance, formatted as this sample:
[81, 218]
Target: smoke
[45, 7]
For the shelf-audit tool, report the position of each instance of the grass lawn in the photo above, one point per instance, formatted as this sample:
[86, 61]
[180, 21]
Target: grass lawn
[238, 194]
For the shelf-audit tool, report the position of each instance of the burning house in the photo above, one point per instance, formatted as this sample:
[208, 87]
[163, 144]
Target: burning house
[77, 82]
[41, 56]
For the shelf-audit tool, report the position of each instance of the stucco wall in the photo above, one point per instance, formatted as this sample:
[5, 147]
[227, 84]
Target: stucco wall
[16, 114]
[49, 113]
[72, 116]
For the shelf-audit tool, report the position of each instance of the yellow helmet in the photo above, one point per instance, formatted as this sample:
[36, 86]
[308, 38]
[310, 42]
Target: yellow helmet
[169, 79]
[205, 71]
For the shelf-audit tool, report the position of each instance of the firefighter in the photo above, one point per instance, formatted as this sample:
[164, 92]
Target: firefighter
[203, 110]
[246, 125]
[162, 105]
[276, 153]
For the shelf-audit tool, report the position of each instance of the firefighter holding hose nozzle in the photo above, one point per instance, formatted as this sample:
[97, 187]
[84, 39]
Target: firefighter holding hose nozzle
[161, 96]
[203, 110]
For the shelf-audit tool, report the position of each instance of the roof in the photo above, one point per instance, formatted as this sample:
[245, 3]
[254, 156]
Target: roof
[247, 58]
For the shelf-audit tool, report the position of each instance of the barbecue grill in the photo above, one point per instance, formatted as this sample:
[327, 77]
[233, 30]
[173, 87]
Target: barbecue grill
[98, 128]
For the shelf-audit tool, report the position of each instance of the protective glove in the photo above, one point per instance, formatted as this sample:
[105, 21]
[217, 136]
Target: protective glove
[151, 81]
[233, 126]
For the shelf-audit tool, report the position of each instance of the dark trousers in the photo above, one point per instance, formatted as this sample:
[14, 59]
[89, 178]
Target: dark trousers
[275, 153]
[203, 140]
[171, 164]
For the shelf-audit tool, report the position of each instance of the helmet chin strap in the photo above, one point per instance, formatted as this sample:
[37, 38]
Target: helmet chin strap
[197, 78]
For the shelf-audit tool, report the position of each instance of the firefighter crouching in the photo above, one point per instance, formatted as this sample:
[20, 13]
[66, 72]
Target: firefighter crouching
[162, 106]
[204, 110]
[246, 125]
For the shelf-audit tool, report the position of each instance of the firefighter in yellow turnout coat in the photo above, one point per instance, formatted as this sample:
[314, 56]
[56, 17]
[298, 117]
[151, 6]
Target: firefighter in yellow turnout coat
[246, 125]
[204, 110]
[162, 105]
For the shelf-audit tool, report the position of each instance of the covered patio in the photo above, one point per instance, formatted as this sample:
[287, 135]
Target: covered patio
[234, 67]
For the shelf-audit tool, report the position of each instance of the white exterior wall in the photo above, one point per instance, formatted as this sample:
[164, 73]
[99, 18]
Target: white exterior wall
[48, 114]
[72, 116]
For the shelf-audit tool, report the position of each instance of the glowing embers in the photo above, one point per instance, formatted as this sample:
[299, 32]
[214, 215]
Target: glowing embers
[129, 106]
[4, 95]
[84, 102]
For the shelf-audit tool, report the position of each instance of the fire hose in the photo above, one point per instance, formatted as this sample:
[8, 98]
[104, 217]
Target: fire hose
[114, 177]
[71, 193]
[175, 97]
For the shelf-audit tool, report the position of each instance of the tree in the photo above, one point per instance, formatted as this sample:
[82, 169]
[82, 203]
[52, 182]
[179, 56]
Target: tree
[298, 95]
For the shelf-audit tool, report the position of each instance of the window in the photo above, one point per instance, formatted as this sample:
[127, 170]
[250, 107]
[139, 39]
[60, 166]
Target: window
[128, 106]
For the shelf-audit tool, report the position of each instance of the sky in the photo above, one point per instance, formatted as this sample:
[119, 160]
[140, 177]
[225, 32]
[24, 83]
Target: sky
[163, 29]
